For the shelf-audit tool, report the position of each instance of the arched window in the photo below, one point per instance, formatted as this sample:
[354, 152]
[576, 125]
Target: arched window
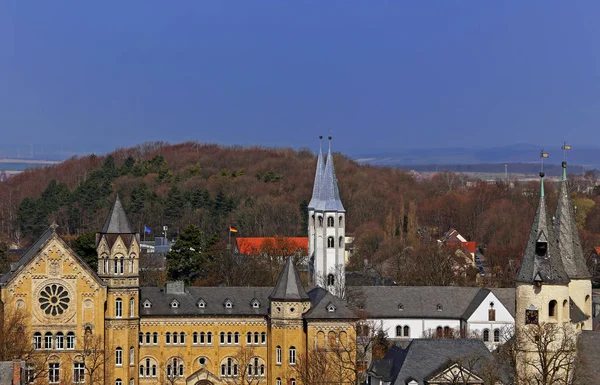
[229, 368]
[131, 356]
[229, 337]
[48, 340]
[195, 338]
[330, 222]
[121, 265]
[486, 335]
[496, 335]
[118, 382]
[141, 338]
[552, 308]
[256, 338]
[37, 341]
[70, 340]
[60, 341]
[209, 338]
[341, 242]
[398, 331]
[320, 221]
[439, 332]
[330, 242]
[155, 338]
[118, 308]
[202, 338]
[249, 338]
[278, 355]
[131, 307]
[330, 280]
[148, 368]
[222, 339]
[106, 266]
[406, 331]
[148, 338]
[116, 266]
[292, 355]
[167, 338]
[175, 338]
[236, 338]
[119, 357]
[341, 221]
[278, 381]
[182, 338]
[447, 332]
[293, 381]
[263, 338]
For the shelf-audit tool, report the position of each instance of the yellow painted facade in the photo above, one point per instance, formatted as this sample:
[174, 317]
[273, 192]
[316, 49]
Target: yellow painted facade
[157, 349]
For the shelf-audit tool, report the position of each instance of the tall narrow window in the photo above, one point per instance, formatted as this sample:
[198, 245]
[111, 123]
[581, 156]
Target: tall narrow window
[70, 340]
[116, 266]
[37, 341]
[222, 338]
[182, 338]
[229, 335]
[131, 308]
[330, 242]
[155, 338]
[263, 338]
[249, 338]
[292, 355]
[175, 338]
[167, 338]
[330, 222]
[148, 338]
[209, 338]
[236, 338]
[119, 357]
[552, 309]
[202, 337]
[398, 331]
[330, 280]
[278, 355]
[119, 308]
[48, 340]
[60, 341]
[195, 338]
[131, 356]
[496, 335]
[256, 338]
[406, 331]
[341, 242]
[121, 267]
[78, 372]
[486, 335]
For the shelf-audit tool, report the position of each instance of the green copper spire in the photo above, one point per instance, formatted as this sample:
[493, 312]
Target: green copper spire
[541, 184]
[564, 172]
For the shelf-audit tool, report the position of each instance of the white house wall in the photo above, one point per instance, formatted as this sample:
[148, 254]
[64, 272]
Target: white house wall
[417, 326]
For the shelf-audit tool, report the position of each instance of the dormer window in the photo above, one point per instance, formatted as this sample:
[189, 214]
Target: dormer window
[255, 304]
[331, 308]
[201, 304]
[439, 307]
[147, 304]
[228, 304]
[174, 303]
[400, 307]
[541, 248]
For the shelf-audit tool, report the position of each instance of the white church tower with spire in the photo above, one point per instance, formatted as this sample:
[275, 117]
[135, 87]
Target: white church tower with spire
[327, 229]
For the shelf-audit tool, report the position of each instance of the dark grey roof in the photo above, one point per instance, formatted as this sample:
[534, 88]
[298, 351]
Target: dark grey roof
[289, 286]
[117, 221]
[321, 299]
[548, 267]
[426, 357]
[318, 176]
[417, 301]
[213, 297]
[589, 356]
[577, 315]
[567, 235]
[479, 297]
[387, 369]
[329, 197]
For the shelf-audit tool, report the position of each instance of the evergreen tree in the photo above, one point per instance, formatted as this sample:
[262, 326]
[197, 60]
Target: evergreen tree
[187, 261]
[4, 265]
[85, 247]
[174, 205]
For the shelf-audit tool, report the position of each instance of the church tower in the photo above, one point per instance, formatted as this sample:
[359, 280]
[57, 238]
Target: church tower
[118, 250]
[542, 285]
[287, 341]
[569, 246]
[327, 229]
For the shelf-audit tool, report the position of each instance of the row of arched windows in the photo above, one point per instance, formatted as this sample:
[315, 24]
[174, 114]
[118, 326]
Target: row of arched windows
[402, 331]
[292, 381]
[444, 332]
[486, 335]
[202, 338]
[330, 221]
[56, 341]
[117, 266]
[291, 355]
[331, 242]
[119, 308]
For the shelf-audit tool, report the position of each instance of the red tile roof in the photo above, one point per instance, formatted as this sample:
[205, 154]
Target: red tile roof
[283, 246]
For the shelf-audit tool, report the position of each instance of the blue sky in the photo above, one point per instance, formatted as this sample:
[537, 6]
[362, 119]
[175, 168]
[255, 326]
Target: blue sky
[96, 75]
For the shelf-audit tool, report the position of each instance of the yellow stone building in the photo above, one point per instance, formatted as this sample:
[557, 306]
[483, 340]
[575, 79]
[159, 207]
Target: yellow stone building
[103, 328]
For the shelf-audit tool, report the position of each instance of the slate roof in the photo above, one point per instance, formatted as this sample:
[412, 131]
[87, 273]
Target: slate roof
[117, 221]
[589, 355]
[577, 315]
[426, 357]
[213, 297]
[548, 268]
[320, 299]
[329, 195]
[567, 235]
[418, 301]
[387, 368]
[314, 201]
[289, 286]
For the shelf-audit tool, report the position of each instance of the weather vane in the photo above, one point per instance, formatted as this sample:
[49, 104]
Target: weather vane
[566, 147]
[542, 156]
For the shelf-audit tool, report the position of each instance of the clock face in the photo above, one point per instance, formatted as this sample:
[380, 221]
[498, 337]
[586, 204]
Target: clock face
[531, 317]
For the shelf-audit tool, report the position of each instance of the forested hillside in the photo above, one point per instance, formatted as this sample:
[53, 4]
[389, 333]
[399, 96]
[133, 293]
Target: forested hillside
[264, 192]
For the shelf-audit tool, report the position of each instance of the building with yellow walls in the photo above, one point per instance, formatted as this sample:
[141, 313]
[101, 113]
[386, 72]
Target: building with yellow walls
[103, 328]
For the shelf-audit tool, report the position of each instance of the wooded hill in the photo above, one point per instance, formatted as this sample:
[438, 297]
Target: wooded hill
[264, 192]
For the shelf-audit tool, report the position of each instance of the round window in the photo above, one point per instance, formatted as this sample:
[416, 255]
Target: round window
[202, 360]
[54, 299]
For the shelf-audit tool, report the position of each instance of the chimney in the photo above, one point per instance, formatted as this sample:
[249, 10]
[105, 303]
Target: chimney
[16, 372]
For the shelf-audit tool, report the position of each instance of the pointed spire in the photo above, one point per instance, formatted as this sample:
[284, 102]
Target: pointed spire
[567, 235]
[117, 221]
[330, 193]
[541, 262]
[318, 177]
[289, 286]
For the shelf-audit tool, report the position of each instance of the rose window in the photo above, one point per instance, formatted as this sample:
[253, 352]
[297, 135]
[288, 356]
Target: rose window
[54, 299]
